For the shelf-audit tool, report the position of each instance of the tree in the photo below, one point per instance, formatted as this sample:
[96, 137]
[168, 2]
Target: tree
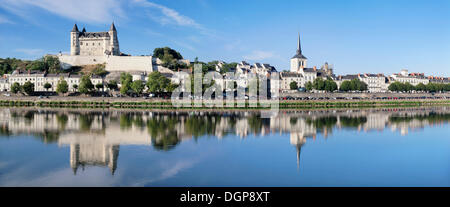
[62, 86]
[47, 86]
[86, 85]
[126, 86]
[309, 86]
[319, 84]
[28, 87]
[112, 85]
[161, 53]
[15, 87]
[345, 86]
[52, 64]
[125, 80]
[125, 77]
[157, 82]
[99, 70]
[138, 86]
[75, 87]
[421, 87]
[330, 85]
[99, 86]
[293, 85]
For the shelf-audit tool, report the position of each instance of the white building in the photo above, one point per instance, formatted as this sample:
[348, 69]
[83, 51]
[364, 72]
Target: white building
[375, 82]
[412, 78]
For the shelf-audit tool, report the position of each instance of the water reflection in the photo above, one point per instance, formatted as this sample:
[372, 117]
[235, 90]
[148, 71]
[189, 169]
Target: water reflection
[95, 137]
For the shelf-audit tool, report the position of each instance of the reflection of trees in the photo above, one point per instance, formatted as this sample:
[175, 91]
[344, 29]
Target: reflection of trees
[29, 117]
[126, 121]
[163, 132]
[201, 125]
[352, 121]
[62, 121]
[4, 130]
[49, 136]
[85, 122]
[327, 122]
[255, 123]
[293, 120]
[431, 117]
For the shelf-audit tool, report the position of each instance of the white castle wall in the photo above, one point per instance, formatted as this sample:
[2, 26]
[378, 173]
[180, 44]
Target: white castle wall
[129, 63]
[113, 63]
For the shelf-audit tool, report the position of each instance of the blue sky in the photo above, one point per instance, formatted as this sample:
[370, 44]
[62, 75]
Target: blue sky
[370, 36]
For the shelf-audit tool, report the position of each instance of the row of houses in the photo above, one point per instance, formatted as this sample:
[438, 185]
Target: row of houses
[41, 78]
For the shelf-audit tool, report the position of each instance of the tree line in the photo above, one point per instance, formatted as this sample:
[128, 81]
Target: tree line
[430, 87]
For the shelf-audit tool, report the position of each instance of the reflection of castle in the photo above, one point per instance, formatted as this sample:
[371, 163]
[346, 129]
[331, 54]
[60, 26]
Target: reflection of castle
[94, 137]
[93, 155]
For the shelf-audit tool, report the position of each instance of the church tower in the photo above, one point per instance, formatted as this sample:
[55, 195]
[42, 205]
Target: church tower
[114, 42]
[74, 41]
[298, 62]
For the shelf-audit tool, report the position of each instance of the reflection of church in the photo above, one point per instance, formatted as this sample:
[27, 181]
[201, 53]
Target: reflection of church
[82, 155]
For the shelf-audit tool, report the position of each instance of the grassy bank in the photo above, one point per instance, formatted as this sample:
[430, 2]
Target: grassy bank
[168, 104]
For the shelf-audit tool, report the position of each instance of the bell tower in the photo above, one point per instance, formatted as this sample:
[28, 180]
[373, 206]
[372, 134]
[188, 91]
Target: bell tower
[298, 62]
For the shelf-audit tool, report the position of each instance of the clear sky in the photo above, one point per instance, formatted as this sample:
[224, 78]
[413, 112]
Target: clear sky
[365, 36]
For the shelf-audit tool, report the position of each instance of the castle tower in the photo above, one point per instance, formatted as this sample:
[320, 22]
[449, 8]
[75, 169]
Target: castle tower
[298, 62]
[74, 41]
[114, 42]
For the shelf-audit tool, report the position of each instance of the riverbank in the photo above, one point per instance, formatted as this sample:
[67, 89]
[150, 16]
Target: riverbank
[106, 102]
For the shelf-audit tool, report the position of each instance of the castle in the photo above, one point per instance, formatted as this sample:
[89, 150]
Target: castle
[94, 43]
[91, 48]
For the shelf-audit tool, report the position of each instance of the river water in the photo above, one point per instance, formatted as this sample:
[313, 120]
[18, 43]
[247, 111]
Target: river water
[347, 147]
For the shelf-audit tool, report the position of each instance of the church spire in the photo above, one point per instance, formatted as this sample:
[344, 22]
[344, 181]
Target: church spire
[299, 54]
[299, 47]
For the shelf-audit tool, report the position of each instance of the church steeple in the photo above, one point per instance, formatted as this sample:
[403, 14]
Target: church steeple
[299, 47]
[299, 54]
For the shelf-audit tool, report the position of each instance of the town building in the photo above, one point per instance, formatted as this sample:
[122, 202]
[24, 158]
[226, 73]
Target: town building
[375, 82]
[412, 78]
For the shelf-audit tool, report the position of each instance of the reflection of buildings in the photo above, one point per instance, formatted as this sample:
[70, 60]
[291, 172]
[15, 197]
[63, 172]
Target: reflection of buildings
[94, 137]
[93, 155]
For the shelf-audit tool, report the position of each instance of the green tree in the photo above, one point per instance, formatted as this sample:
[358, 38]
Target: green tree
[125, 88]
[47, 86]
[421, 87]
[99, 70]
[15, 87]
[62, 86]
[28, 87]
[345, 86]
[293, 85]
[161, 53]
[330, 85]
[157, 82]
[99, 86]
[75, 87]
[52, 64]
[112, 85]
[86, 85]
[138, 86]
[319, 84]
[125, 77]
[309, 86]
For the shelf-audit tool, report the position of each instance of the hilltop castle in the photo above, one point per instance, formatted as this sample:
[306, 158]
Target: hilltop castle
[94, 43]
[91, 48]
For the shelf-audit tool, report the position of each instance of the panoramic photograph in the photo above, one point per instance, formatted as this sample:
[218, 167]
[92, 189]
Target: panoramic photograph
[205, 93]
